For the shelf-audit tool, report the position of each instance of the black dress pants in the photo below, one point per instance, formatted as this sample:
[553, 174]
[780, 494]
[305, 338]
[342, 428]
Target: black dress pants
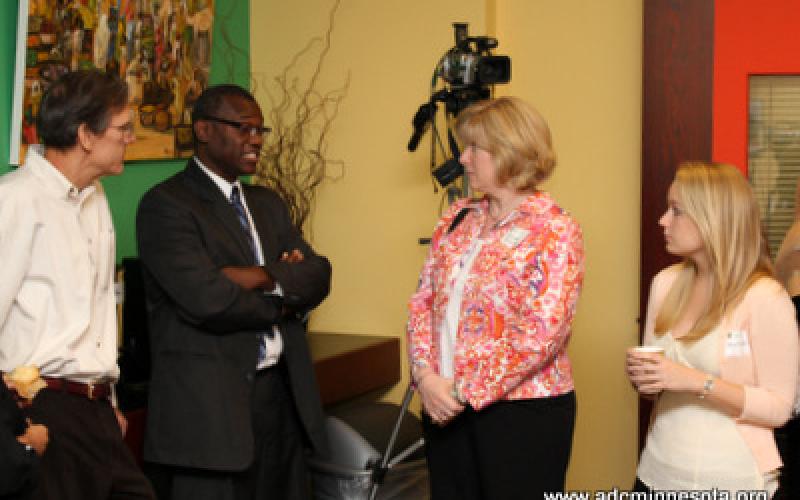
[278, 470]
[86, 458]
[509, 450]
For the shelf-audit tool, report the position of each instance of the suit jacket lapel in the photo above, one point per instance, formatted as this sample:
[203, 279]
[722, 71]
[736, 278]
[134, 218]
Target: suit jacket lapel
[265, 225]
[220, 207]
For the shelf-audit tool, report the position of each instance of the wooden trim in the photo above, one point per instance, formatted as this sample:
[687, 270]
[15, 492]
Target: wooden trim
[348, 366]
[677, 70]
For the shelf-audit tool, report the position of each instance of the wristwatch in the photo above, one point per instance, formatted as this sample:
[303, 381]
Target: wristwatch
[708, 386]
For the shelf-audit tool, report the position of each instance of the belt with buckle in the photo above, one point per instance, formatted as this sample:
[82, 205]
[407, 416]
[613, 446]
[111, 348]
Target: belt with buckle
[90, 390]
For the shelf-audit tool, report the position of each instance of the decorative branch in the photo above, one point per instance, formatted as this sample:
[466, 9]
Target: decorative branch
[294, 161]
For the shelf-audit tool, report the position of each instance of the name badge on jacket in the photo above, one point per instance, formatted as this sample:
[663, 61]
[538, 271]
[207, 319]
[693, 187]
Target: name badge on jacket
[514, 236]
[736, 344]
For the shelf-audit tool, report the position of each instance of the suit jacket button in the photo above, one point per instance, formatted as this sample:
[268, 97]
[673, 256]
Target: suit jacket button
[249, 376]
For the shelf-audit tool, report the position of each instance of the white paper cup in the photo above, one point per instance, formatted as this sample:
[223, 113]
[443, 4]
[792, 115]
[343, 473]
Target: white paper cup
[648, 349]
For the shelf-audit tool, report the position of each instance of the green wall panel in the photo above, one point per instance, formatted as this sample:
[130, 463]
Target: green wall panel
[230, 63]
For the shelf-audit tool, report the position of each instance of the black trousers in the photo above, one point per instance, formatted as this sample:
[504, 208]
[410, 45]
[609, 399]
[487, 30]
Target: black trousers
[788, 441]
[511, 449]
[86, 458]
[640, 487]
[278, 470]
[17, 466]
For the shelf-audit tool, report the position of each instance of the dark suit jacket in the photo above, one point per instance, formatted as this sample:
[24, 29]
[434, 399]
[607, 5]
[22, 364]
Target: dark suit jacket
[205, 329]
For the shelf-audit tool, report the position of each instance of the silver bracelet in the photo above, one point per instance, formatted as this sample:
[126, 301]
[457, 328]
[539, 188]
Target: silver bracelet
[457, 395]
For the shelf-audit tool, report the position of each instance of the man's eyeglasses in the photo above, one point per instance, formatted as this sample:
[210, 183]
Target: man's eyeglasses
[126, 129]
[244, 128]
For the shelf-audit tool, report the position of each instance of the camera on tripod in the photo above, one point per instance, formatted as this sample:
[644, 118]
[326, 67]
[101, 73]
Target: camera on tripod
[470, 63]
[468, 71]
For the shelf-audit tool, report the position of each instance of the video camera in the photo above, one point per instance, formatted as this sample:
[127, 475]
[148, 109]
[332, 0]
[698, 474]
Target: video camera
[470, 63]
[468, 70]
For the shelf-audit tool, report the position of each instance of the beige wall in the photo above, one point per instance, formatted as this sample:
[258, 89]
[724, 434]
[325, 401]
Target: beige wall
[368, 223]
[579, 62]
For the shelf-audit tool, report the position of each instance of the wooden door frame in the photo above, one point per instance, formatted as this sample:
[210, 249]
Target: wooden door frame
[677, 74]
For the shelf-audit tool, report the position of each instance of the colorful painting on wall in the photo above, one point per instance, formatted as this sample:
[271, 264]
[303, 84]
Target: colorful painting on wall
[162, 48]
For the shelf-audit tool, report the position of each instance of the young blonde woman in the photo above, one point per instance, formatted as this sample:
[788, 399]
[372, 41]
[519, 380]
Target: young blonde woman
[729, 334]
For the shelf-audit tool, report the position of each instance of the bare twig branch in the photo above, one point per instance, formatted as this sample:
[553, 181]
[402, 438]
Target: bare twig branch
[294, 160]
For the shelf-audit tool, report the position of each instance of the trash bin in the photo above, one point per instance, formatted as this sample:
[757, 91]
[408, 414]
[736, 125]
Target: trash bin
[355, 470]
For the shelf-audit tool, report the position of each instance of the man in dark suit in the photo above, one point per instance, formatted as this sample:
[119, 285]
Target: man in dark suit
[233, 399]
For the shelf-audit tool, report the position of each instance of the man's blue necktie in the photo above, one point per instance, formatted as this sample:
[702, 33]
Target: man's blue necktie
[236, 201]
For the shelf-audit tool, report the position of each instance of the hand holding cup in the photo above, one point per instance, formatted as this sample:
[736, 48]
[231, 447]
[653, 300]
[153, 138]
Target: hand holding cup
[639, 364]
[646, 351]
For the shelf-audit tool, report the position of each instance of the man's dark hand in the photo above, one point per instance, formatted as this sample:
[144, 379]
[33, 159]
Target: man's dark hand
[294, 257]
[250, 278]
[256, 277]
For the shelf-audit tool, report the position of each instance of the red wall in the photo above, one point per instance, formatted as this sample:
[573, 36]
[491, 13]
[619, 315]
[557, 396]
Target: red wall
[749, 38]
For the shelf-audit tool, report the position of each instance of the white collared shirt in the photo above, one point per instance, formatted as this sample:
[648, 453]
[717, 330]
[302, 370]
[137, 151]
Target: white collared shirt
[57, 256]
[273, 345]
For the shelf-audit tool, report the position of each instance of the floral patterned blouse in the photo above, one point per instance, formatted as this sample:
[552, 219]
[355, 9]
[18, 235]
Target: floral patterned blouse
[517, 306]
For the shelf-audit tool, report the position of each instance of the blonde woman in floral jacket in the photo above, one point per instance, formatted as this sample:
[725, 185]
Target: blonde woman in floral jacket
[490, 322]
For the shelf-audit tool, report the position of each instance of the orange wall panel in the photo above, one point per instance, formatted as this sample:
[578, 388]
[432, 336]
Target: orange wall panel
[749, 38]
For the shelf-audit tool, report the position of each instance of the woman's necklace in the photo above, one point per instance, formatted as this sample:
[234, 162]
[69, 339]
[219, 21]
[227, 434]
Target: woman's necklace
[501, 212]
[494, 221]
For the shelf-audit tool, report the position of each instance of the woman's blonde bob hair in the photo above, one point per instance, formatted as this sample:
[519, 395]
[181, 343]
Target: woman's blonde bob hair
[719, 200]
[515, 135]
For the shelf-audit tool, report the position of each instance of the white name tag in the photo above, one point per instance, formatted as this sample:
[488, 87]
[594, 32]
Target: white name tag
[514, 236]
[736, 344]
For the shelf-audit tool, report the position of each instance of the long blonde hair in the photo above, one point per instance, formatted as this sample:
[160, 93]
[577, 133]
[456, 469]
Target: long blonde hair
[720, 201]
